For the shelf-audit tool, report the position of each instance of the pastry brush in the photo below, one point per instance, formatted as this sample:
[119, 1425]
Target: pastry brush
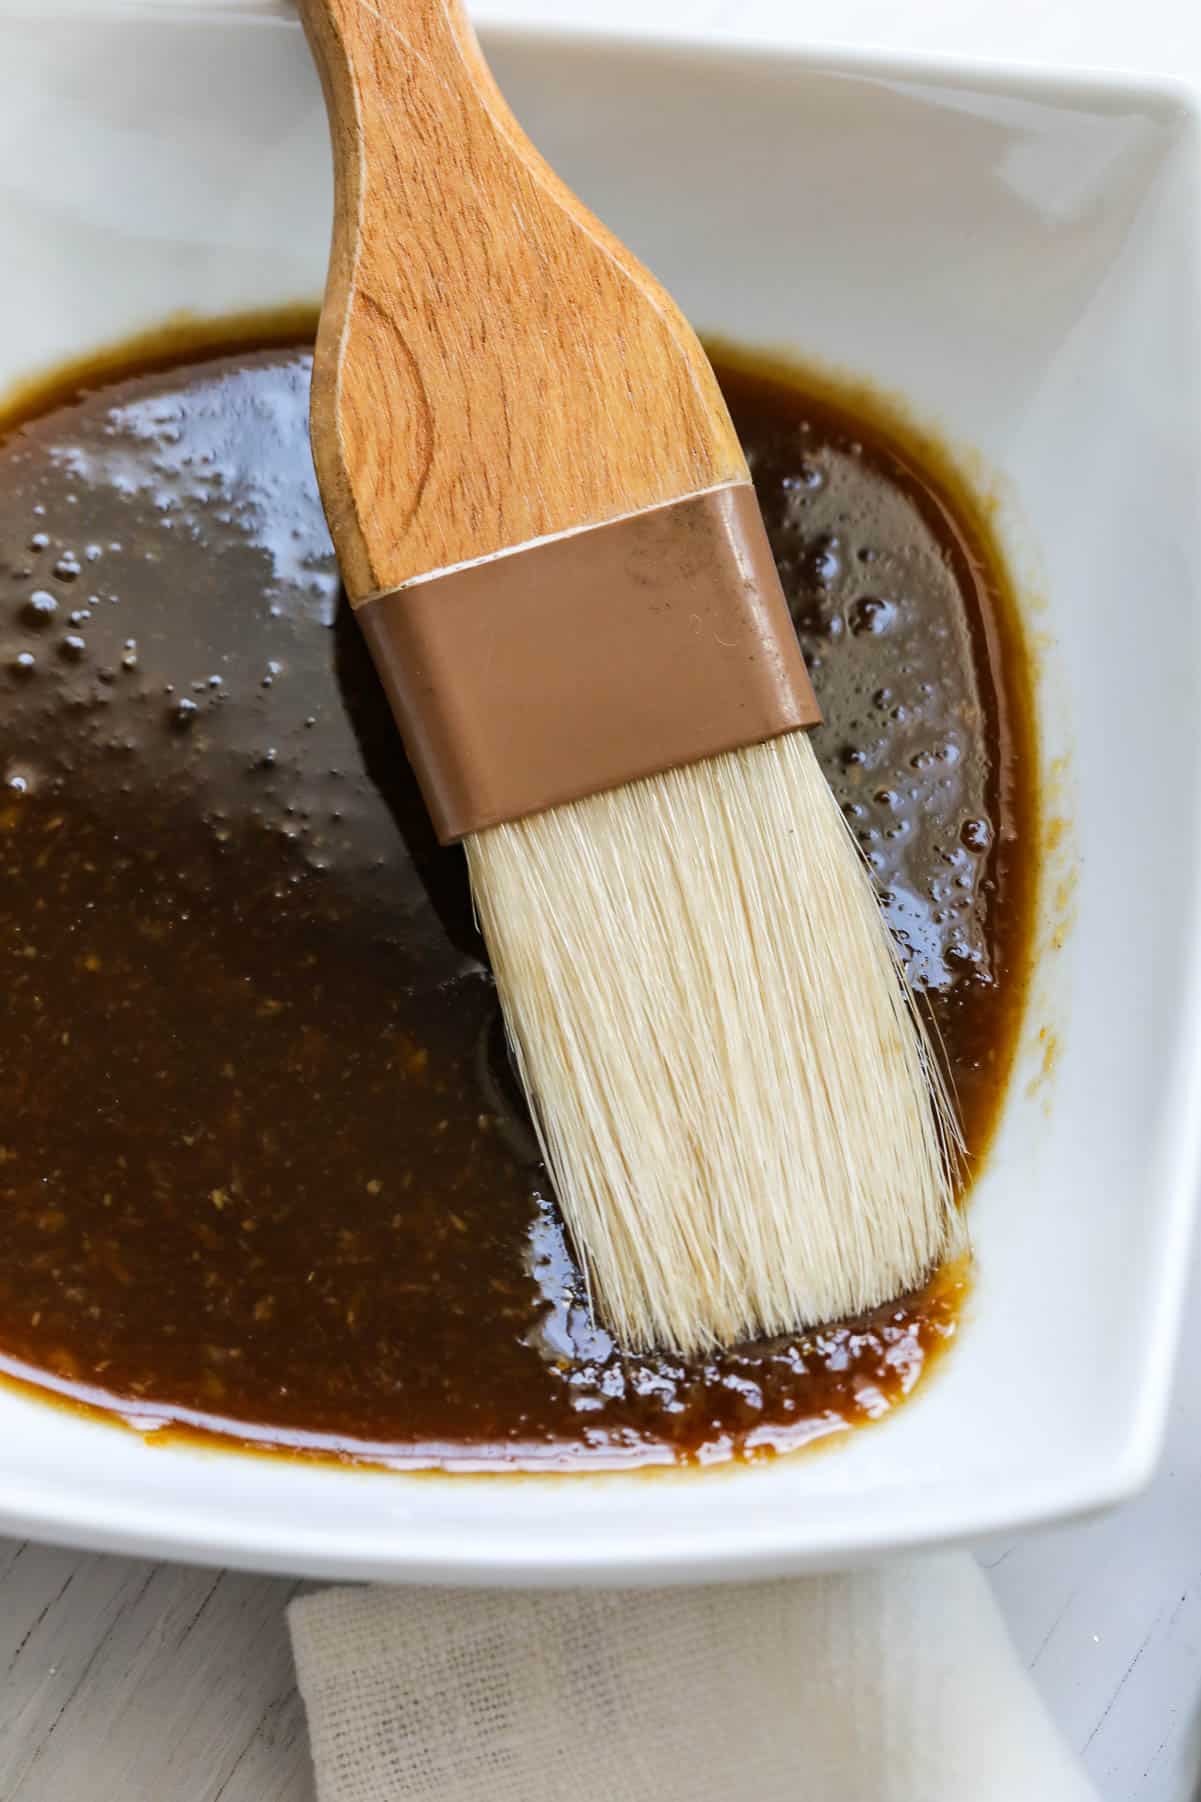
[546, 526]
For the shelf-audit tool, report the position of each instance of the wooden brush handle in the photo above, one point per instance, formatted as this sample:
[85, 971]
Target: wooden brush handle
[492, 365]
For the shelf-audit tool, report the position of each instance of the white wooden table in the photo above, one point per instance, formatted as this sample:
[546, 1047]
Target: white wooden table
[132, 1682]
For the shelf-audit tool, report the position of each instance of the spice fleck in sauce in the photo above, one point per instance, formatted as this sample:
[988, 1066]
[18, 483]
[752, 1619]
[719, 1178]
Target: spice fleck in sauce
[262, 1165]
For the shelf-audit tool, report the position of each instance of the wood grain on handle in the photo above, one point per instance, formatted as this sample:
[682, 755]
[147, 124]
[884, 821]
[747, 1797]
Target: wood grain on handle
[493, 365]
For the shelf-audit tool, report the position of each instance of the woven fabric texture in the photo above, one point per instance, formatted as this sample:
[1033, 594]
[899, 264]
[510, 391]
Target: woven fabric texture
[890, 1685]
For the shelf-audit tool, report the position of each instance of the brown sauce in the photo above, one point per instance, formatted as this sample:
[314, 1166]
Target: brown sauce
[262, 1168]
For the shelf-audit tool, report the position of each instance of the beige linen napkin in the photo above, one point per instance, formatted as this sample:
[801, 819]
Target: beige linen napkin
[891, 1685]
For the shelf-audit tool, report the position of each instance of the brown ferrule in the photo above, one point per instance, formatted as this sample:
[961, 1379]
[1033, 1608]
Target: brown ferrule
[579, 663]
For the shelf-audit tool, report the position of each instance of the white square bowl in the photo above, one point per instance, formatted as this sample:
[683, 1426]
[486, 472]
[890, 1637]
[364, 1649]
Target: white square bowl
[1018, 256]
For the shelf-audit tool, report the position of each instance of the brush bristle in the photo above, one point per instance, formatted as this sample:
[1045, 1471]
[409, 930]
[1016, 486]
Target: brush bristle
[737, 1104]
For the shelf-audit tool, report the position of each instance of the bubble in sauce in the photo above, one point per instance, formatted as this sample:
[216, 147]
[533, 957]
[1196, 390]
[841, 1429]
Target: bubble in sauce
[871, 613]
[39, 609]
[823, 561]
